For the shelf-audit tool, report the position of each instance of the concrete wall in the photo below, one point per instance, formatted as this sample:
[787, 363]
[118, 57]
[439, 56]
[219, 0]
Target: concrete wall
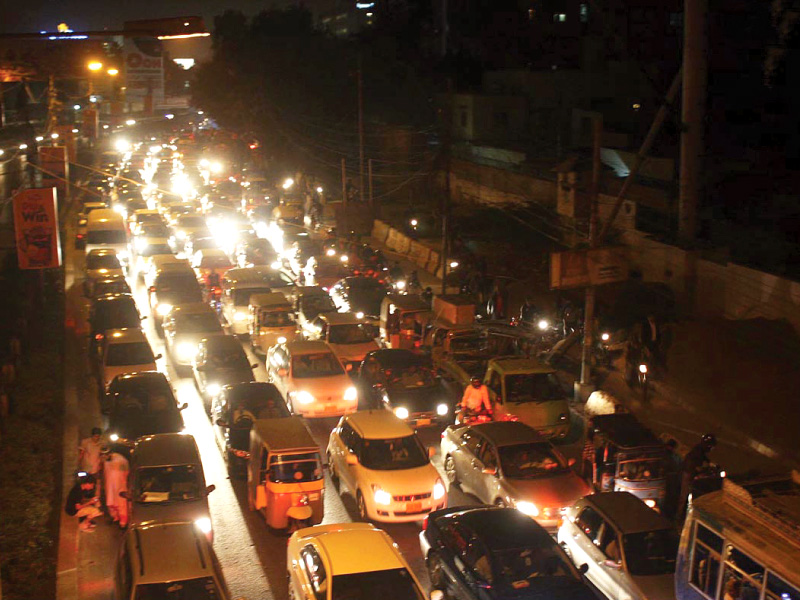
[492, 186]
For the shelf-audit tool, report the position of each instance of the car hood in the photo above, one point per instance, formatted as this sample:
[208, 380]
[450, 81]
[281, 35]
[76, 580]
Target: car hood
[545, 588]
[224, 377]
[555, 492]
[323, 388]
[172, 512]
[353, 352]
[655, 587]
[402, 482]
[418, 399]
[538, 414]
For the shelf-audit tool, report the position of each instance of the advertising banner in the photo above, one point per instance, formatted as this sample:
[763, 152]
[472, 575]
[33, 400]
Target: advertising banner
[36, 228]
[144, 72]
[53, 160]
[582, 268]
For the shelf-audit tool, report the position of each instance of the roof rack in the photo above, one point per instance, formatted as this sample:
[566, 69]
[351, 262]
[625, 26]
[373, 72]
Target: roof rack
[775, 501]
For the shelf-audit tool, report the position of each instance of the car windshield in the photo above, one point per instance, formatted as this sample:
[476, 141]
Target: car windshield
[276, 318]
[410, 377]
[311, 306]
[167, 484]
[321, 364]
[202, 588]
[115, 314]
[191, 221]
[651, 552]
[642, 469]
[106, 236]
[205, 322]
[351, 333]
[120, 355]
[519, 566]
[527, 461]
[393, 454]
[102, 261]
[391, 584]
[533, 387]
[155, 230]
[295, 468]
[241, 296]
[112, 287]
[228, 358]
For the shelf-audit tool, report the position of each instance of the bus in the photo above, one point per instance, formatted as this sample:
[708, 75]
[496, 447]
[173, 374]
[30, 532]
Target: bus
[742, 542]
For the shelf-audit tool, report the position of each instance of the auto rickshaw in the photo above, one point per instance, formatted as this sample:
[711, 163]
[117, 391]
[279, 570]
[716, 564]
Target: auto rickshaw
[403, 321]
[285, 482]
[628, 457]
[270, 321]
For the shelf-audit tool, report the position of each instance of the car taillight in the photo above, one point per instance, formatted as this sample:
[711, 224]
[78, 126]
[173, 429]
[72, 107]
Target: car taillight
[99, 336]
[425, 523]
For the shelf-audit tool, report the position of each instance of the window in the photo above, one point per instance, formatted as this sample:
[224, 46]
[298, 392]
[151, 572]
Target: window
[472, 443]
[315, 571]
[777, 589]
[559, 18]
[706, 561]
[589, 522]
[488, 456]
[477, 558]
[584, 13]
[608, 543]
[743, 577]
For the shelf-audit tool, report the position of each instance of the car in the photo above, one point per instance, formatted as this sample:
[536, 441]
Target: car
[140, 404]
[494, 553]
[124, 351]
[359, 294]
[507, 463]
[163, 560]
[385, 467]
[255, 252]
[101, 263]
[312, 381]
[114, 311]
[233, 412]
[325, 270]
[351, 338]
[310, 301]
[405, 383]
[184, 326]
[211, 260]
[200, 241]
[300, 251]
[170, 288]
[186, 225]
[144, 216]
[111, 285]
[167, 482]
[348, 560]
[629, 548]
[220, 361]
[144, 249]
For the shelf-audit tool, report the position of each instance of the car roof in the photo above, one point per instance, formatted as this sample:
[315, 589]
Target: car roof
[503, 528]
[378, 424]
[355, 548]
[222, 342]
[273, 299]
[166, 449]
[399, 358]
[192, 308]
[627, 512]
[337, 318]
[144, 377]
[287, 433]
[165, 552]
[126, 335]
[625, 431]
[508, 433]
[101, 251]
[307, 347]
[520, 366]
[115, 298]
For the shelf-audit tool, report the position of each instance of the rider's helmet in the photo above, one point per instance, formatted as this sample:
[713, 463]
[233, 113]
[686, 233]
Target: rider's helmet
[708, 441]
[475, 381]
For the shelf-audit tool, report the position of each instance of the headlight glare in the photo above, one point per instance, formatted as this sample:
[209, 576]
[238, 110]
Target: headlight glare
[527, 508]
[351, 394]
[442, 409]
[186, 350]
[163, 309]
[213, 389]
[239, 316]
[304, 397]
[381, 496]
[401, 412]
[203, 524]
[438, 490]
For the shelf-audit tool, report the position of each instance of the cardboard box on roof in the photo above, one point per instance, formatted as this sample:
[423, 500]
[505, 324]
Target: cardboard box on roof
[458, 309]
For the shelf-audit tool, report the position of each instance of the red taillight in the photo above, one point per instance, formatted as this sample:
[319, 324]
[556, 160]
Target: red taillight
[99, 336]
[425, 523]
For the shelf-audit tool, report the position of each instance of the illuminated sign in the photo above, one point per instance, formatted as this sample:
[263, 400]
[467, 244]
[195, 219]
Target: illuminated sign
[364, 5]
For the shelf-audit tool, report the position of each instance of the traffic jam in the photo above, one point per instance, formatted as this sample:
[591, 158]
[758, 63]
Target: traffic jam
[250, 358]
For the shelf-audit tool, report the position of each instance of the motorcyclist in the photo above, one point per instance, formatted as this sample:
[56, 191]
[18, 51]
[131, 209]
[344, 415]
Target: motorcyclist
[529, 312]
[693, 463]
[475, 400]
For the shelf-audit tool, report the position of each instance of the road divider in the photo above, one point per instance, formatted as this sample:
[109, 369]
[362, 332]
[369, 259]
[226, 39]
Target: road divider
[416, 251]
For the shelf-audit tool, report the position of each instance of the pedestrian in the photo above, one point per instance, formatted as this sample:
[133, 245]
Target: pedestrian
[115, 478]
[89, 453]
[82, 502]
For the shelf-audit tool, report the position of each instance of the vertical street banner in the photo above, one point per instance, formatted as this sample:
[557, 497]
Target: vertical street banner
[144, 73]
[36, 228]
[55, 168]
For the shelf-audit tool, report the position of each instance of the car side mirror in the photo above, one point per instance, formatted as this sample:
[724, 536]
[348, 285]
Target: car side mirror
[431, 451]
[210, 489]
[583, 569]
[222, 422]
[612, 564]
[489, 471]
[183, 406]
[571, 462]
[352, 459]
[254, 366]
[158, 357]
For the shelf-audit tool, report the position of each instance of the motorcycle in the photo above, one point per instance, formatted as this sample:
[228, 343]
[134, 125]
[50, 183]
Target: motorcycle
[708, 479]
[471, 417]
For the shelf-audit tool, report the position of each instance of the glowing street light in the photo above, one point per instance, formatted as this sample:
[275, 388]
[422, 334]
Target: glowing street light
[23, 146]
[74, 131]
[288, 183]
[112, 71]
[54, 136]
[319, 190]
[130, 122]
[169, 116]
[77, 107]
[39, 138]
[94, 66]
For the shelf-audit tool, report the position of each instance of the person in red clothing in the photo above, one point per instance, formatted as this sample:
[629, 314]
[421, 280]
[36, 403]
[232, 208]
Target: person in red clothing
[476, 398]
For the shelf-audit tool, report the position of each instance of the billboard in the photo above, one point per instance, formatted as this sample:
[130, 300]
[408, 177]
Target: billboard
[582, 268]
[36, 228]
[144, 72]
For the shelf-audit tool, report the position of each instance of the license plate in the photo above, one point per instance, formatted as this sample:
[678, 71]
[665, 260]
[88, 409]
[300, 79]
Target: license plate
[423, 421]
[413, 507]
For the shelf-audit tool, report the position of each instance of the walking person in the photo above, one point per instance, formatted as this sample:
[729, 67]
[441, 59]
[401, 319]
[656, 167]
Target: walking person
[115, 479]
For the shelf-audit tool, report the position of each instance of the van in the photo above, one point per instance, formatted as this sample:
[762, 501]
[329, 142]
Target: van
[105, 228]
[167, 483]
[237, 286]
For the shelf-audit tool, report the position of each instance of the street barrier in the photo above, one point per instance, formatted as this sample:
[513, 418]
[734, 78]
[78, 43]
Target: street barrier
[380, 231]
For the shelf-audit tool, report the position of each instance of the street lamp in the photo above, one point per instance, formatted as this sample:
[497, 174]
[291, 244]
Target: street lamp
[112, 71]
[93, 67]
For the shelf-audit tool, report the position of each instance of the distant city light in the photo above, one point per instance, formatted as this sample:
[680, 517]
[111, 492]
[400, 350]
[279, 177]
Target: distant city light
[94, 66]
[23, 146]
[54, 136]
[74, 131]
[169, 116]
[105, 126]
[113, 72]
[364, 5]
[199, 112]
[130, 122]
[92, 98]
[39, 138]
[77, 107]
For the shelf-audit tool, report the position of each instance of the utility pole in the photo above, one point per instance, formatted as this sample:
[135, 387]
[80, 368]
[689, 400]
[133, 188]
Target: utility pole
[344, 182]
[360, 131]
[52, 117]
[446, 152]
[695, 80]
[588, 310]
[369, 164]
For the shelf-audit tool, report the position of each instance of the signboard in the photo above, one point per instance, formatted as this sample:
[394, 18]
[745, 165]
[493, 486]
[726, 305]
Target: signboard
[582, 268]
[144, 72]
[36, 229]
[53, 160]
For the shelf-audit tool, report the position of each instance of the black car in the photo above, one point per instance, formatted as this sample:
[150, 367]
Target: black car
[220, 361]
[359, 294]
[233, 411]
[171, 288]
[141, 404]
[493, 553]
[406, 383]
[113, 311]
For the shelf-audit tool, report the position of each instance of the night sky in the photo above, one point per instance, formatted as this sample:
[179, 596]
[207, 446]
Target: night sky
[36, 15]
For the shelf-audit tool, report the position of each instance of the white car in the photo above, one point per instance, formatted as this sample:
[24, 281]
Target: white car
[629, 548]
[380, 459]
[311, 379]
[144, 249]
[349, 560]
[125, 351]
[351, 338]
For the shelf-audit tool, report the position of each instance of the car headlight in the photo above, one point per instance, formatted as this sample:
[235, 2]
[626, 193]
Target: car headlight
[123, 255]
[303, 397]
[186, 350]
[650, 502]
[400, 285]
[442, 409]
[351, 394]
[119, 208]
[163, 309]
[562, 417]
[359, 315]
[543, 324]
[438, 490]
[344, 258]
[213, 389]
[527, 508]
[114, 437]
[203, 524]
[181, 235]
[381, 496]
[401, 412]
[141, 244]
[281, 340]
[330, 252]
[276, 265]
[605, 337]
[239, 316]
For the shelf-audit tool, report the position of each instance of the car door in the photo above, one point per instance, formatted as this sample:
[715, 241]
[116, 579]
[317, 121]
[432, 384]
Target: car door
[474, 566]
[454, 539]
[465, 457]
[486, 484]
[590, 529]
[352, 444]
[278, 360]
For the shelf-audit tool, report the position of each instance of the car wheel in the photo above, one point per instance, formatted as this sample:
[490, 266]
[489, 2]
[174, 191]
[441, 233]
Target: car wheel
[362, 506]
[450, 470]
[500, 503]
[435, 573]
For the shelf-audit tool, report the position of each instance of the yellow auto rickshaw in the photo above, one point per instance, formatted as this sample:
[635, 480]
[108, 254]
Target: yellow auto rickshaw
[270, 321]
[403, 321]
[285, 482]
